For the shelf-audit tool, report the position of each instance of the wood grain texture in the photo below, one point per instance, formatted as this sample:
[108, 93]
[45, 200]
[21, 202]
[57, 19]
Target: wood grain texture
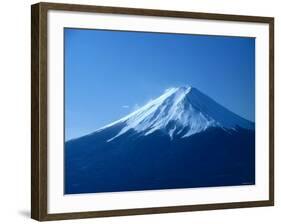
[154, 12]
[39, 203]
[38, 112]
[34, 113]
[271, 111]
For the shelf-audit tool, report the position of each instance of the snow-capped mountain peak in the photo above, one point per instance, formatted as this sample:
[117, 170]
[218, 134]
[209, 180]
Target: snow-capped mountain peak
[181, 111]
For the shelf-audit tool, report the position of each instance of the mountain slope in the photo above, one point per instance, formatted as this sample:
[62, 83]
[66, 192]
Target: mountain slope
[181, 139]
[180, 111]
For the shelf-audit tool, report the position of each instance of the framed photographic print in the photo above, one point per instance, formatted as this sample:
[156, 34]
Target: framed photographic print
[141, 111]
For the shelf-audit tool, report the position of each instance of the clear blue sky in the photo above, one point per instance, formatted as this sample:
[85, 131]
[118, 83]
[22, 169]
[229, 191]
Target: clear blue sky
[110, 73]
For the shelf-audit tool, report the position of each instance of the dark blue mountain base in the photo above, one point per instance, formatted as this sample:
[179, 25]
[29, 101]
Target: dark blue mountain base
[132, 162]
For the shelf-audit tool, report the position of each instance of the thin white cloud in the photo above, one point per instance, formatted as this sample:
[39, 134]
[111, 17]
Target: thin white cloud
[135, 107]
[125, 106]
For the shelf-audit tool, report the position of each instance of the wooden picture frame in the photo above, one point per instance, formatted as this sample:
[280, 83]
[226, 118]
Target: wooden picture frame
[39, 110]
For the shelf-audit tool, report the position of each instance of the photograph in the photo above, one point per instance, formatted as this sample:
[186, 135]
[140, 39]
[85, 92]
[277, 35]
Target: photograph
[157, 111]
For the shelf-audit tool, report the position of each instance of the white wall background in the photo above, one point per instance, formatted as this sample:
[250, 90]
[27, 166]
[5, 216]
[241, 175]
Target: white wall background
[15, 111]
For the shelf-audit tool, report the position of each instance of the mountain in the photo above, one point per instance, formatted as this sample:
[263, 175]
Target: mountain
[181, 139]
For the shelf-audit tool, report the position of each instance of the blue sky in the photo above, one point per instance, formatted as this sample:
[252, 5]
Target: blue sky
[108, 74]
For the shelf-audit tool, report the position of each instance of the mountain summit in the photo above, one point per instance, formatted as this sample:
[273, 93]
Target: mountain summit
[181, 112]
[182, 139]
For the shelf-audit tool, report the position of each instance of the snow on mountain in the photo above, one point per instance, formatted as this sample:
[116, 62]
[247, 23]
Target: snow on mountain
[182, 111]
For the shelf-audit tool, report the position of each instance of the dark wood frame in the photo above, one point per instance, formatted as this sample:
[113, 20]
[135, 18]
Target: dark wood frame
[39, 110]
